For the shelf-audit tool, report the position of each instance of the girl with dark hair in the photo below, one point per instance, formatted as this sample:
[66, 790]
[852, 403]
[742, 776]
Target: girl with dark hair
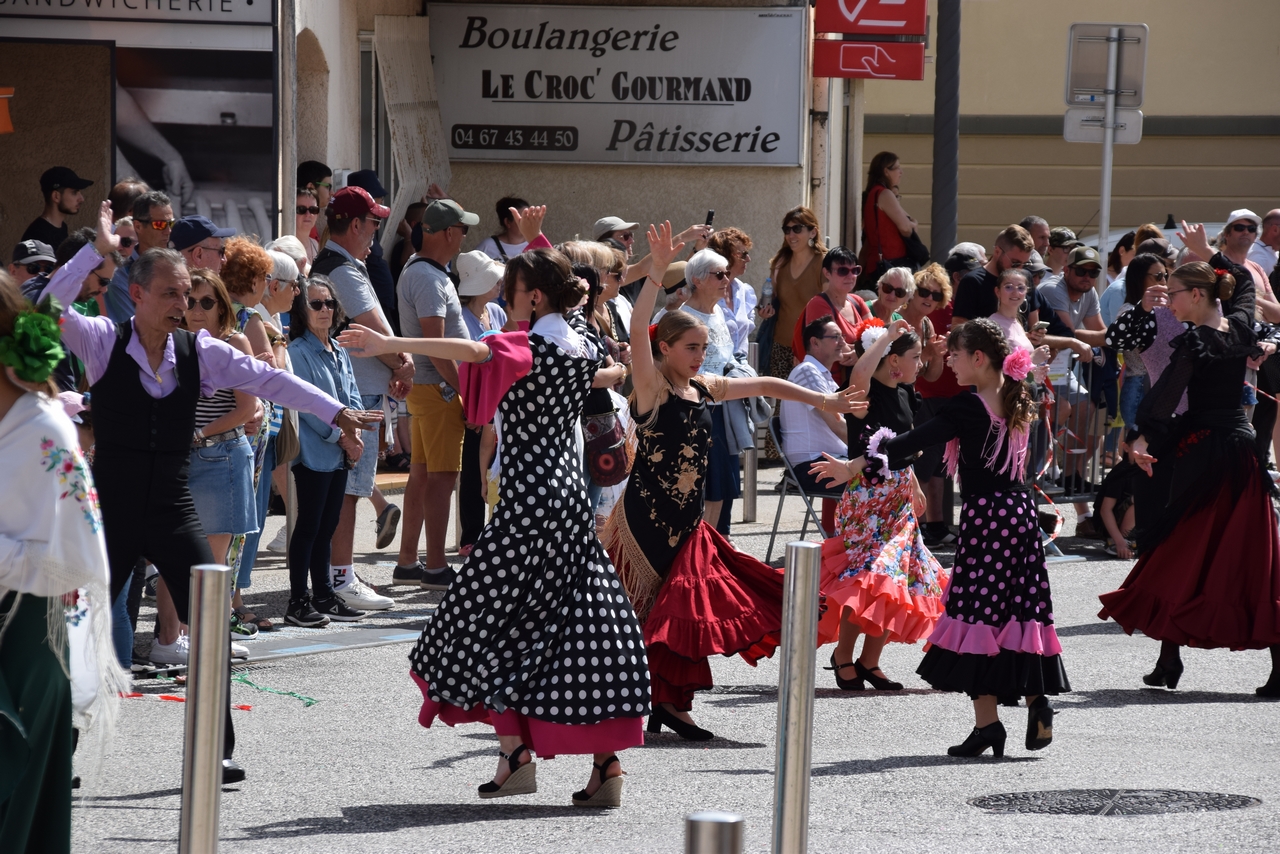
[537, 575]
[885, 224]
[996, 638]
[696, 595]
[879, 579]
[1209, 564]
[1121, 255]
[1143, 272]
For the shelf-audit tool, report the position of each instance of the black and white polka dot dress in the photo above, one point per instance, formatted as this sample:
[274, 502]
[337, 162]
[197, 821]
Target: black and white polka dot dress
[537, 623]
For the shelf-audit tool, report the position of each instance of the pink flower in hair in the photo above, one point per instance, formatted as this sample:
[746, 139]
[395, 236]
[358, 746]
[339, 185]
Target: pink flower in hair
[1017, 364]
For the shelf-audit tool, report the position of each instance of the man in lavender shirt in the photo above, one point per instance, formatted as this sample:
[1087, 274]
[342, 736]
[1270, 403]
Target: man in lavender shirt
[146, 375]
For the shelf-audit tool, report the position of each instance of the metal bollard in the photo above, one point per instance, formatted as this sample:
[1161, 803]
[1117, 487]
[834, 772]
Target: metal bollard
[713, 832]
[750, 460]
[795, 699]
[206, 709]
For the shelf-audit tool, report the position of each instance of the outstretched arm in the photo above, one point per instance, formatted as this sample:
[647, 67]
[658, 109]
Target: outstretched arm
[363, 341]
[849, 400]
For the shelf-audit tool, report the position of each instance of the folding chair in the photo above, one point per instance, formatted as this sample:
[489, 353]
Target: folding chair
[791, 482]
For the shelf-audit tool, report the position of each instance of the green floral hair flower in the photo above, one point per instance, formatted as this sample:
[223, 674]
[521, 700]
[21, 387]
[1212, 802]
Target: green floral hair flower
[34, 348]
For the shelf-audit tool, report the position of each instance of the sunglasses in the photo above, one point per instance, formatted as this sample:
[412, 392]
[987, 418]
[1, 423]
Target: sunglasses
[126, 242]
[158, 224]
[626, 235]
[843, 271]
[465, 228]
[936, 296]
[1244, 226]
[321, 304]
[221, 250]
[1159, 277]
[890, 289]
[794, 229]
[745, 256]
[1015, 289]
[205, 303]
[719, 274]
[39, 267]
[324, 184]
[1091, 272]
[303, 210]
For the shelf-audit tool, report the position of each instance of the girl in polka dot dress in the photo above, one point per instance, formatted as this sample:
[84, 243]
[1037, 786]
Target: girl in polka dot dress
[536, 636]
[696, 595]
[996, 638]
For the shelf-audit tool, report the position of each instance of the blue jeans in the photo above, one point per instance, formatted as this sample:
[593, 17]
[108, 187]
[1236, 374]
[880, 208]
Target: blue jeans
[1132, 391]
[250, 550]
[122, 628]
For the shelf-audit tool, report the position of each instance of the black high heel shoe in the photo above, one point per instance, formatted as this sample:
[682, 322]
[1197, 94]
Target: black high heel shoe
[660, 717]
[842, 683]
[991, 735]
[880, 683]
[1039, 724]
[523, 779]
[1272, 689]
[1164, 676]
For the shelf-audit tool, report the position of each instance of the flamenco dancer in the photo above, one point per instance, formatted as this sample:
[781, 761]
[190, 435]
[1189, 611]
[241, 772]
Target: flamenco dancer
[504, 646]
[996, 638]
[1209, 566]
[878, 577]
[695, 594]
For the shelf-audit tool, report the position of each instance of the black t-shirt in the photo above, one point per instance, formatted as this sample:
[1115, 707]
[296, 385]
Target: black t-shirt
[888, 406]
[976, 297]
[46, 232]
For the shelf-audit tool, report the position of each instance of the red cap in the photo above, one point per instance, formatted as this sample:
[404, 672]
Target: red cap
[353, 203]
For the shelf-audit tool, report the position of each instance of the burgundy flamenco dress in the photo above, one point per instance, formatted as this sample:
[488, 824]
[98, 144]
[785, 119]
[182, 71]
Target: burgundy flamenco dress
[695, 594]
[1208, 574]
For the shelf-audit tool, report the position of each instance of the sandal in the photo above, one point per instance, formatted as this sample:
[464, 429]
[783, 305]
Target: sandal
[523, 779]
[610, 792]
[247, 616]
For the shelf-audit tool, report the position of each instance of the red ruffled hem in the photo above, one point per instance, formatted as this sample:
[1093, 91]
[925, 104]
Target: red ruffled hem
[981, 639]
[1213, 583]
[544, 738]
[873, 601]
[716, 601]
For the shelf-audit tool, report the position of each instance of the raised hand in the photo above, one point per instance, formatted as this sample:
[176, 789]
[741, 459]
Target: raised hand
[662, 248]
[1195, 239]
[434, 191]
[529, 220]
[105, 241]
[899, 328]
[365, 341]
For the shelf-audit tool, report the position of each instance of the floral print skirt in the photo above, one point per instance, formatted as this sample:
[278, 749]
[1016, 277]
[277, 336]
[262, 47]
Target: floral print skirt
[876, 571]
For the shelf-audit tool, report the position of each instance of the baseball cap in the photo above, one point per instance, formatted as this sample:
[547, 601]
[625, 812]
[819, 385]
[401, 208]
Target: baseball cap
[1035, 264]
[1156, 246]
[442, 213]
[368, 179]
[607, 224]
[1244, 213]
[353, 203]
[31, 251]
[190, 230]
[1082, 255]
[1062, 237]
[959, 263]
[477, 273]
[62, 178]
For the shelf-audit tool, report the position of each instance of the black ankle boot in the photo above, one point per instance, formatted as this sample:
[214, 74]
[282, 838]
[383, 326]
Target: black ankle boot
[991, 735]
[1166, 675]
[1039, 724]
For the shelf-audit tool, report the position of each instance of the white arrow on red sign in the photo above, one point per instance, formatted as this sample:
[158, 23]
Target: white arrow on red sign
[869, 17]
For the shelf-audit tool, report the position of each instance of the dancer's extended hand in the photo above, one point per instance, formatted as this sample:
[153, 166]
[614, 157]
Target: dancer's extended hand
[836, 471]
[1138, 454]
[352, 421]
[365, 340]
[848, 400]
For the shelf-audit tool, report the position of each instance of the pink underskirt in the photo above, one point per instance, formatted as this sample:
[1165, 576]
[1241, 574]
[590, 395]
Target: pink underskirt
[981, 639]
[544, 738]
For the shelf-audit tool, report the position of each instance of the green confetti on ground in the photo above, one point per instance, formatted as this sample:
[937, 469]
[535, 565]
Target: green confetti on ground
[307, 702]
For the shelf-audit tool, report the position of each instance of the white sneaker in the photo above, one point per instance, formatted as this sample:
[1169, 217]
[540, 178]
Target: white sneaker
[239, 650]
[360, 596]
[170, 653]
[279, 544]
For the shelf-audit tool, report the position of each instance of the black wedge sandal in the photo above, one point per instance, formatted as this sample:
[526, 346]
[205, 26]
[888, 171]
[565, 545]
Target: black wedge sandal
[523, 779]
[610, 792]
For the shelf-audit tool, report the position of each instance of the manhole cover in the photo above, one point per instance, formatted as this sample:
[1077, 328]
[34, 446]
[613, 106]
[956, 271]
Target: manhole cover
[1112, 802]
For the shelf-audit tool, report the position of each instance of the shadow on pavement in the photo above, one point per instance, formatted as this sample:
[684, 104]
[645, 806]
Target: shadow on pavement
[852, 767]
[671, 741]
[1101, 627]
[1115, 698]
[389, 818]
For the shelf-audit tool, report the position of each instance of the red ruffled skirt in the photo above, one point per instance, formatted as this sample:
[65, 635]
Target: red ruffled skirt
[715, 600]
[1213, 582]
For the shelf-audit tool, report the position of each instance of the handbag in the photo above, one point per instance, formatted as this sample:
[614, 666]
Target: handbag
[287, 445]
[608, 462]
[917, 252]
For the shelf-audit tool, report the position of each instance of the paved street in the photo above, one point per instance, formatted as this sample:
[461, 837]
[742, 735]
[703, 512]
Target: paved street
[355, 772]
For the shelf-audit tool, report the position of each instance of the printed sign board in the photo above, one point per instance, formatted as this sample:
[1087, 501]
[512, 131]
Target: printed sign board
[871, 17]
[160, 11]
[615, 84]
[871, 60]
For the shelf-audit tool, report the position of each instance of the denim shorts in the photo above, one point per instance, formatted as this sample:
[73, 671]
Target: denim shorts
[221, 481]
[361, 478]
[1132, 391]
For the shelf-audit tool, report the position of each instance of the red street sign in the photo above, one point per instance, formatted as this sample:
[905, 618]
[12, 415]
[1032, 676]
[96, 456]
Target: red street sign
[871, 17]
[872, 60]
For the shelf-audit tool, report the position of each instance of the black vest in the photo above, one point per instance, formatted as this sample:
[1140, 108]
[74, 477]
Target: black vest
[127, 419]
[327, 261]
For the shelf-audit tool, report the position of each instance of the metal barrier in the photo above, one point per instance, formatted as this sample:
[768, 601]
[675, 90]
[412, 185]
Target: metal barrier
[1077, 439]
[795, 698]
[206, 709]
[713, 832]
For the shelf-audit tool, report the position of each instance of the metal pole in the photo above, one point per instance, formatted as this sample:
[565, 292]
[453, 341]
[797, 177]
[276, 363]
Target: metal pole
[206, 709]
[750, 462]
[944, 214]
[795, 699]
[853, 163]
[287, 35]
[713, 832]
[1108, 143]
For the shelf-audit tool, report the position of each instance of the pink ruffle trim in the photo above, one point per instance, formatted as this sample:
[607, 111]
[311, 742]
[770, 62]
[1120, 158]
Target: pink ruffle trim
[981, 639]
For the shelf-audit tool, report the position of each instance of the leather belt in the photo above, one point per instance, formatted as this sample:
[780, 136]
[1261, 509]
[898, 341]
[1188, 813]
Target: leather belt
[218, 439]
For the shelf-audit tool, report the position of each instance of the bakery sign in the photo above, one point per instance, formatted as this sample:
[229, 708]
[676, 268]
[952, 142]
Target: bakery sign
[159, 11]
[617, 84]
